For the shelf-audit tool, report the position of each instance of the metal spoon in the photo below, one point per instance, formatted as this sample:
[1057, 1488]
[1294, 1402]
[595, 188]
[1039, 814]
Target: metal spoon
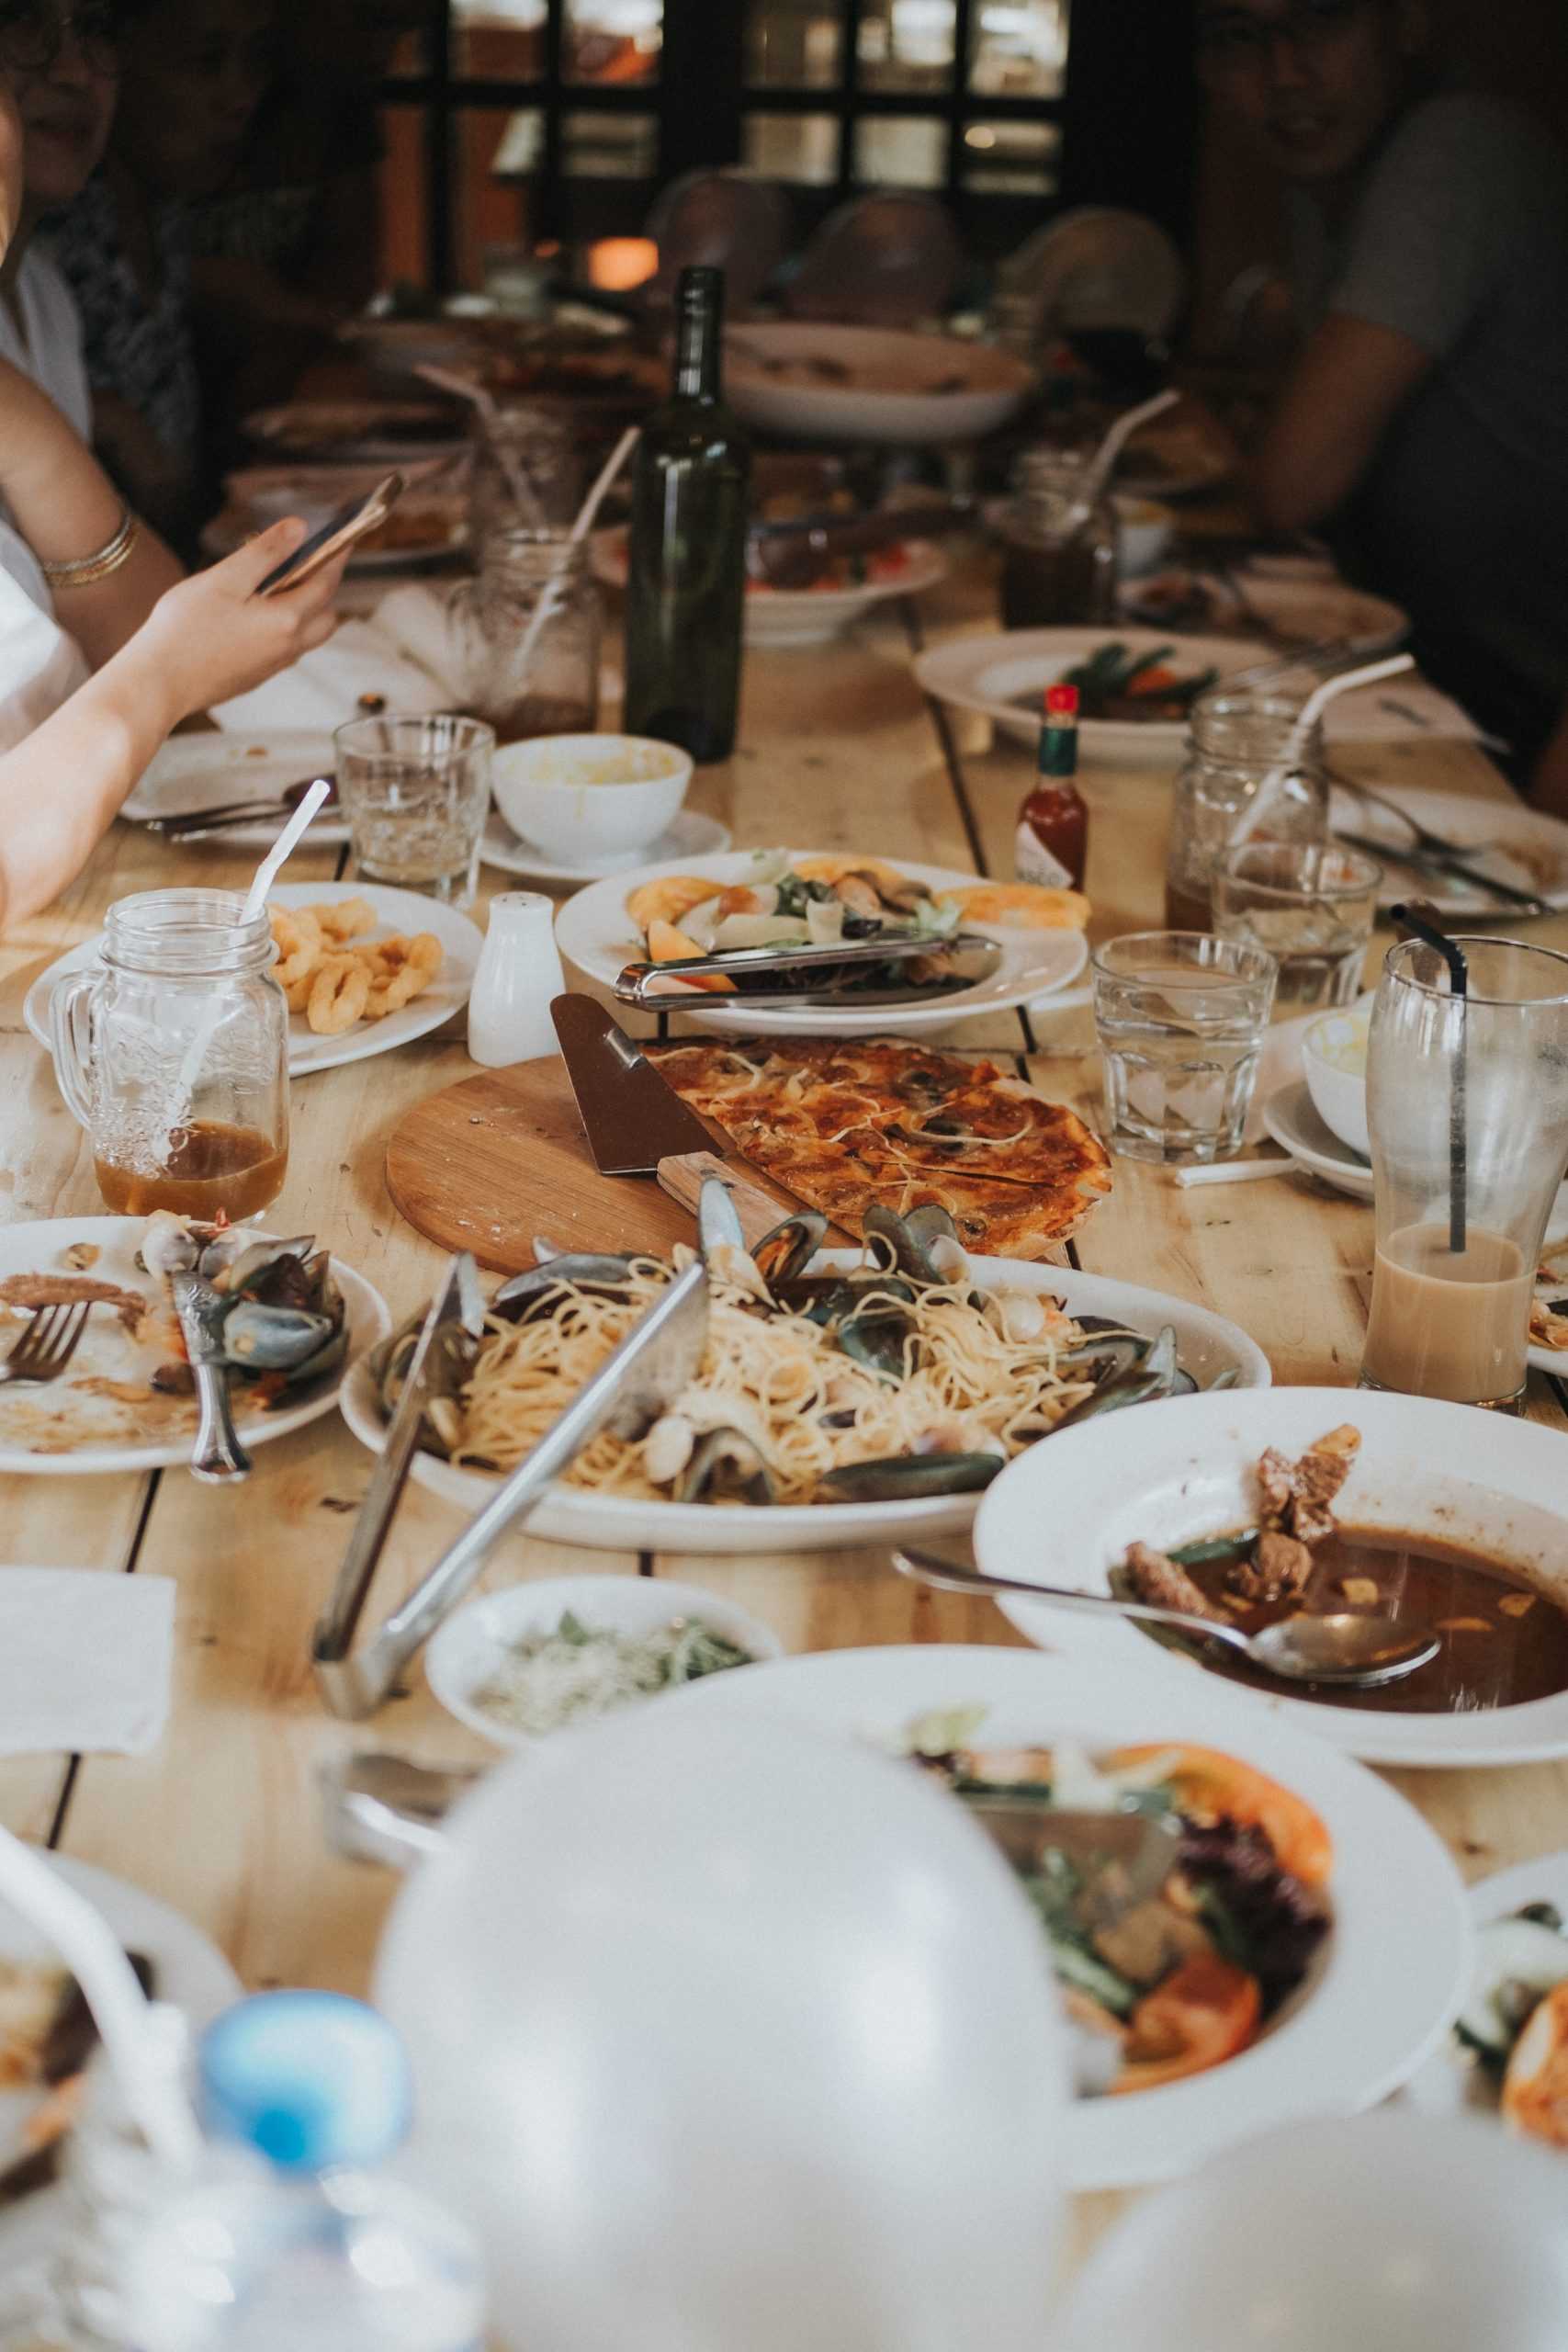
[1344, 1648]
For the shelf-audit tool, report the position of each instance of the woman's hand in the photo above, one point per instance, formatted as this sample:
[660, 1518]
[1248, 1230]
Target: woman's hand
[212, 637]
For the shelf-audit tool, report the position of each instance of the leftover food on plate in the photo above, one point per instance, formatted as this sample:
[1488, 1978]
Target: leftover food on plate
[1118, 683]
[336, 975]
[1183, 1898]
[1503, 1640]
[47, 2036]
[886, 1124]
[1515, 2024]
[563, 1675]
[902, 1377]
[821, 901]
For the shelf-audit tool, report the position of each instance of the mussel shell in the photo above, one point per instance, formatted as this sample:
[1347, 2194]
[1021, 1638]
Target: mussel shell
[451, 1359]
[787, 1249]
[908, 1477]
[519, 1299]
[725, 1462]
[876, 1338]
[902, 1242]
[258, 1339]
[221, 1250]
[1157, 1375]
[275, 1274]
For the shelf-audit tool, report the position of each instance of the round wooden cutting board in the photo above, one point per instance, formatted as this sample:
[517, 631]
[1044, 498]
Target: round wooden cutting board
[497, 1158]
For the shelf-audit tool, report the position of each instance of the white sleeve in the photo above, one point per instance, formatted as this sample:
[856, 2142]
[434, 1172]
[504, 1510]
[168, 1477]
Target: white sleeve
[40, 666]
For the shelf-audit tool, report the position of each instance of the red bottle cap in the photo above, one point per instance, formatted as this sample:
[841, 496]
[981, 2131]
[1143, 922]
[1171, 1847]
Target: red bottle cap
[1061, 702]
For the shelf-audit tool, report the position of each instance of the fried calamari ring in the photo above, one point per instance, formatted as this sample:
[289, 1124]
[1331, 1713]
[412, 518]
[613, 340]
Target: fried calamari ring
[338, 997]
[298, 937]
[407, 968]
[344, 919]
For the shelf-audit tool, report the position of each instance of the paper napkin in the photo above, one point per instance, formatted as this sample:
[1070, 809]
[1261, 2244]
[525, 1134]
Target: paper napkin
[85, 1657]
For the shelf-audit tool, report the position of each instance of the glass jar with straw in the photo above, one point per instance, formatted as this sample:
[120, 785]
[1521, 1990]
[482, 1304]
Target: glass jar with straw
[1467, 1113]
[527, 636]
[526, 472]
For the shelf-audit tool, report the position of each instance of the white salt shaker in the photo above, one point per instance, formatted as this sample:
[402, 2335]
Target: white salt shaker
[519, 972]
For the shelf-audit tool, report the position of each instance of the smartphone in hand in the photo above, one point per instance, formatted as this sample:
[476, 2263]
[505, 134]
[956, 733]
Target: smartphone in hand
[355, 521]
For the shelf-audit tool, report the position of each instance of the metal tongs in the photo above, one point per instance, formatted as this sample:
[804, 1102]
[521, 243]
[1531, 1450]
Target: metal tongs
[641, 1379]
[750, 969]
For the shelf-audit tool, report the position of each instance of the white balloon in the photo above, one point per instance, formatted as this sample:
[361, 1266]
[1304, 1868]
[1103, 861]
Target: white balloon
[727, 2034]
[1386, 2234]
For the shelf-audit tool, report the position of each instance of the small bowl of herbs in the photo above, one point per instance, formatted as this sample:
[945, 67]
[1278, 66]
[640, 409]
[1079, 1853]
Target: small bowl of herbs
[545, 1657]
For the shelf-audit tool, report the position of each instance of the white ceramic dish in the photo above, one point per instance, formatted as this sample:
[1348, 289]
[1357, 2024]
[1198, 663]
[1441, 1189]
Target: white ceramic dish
[780, 617]
[577, 796]
[397, 911]
[1291, 1117]
[190, 1973]
[840, 383]
[1450, 2083]
[1391, 1976]
[1206, 1344]
[1144, 530]
[1003, 677]
[1068, 1514]
[474, 1641]
[1500, 836]
[107, 1350]
[197, 772]
[1340, 1094]
[595, 931]
[689, 837]
[1297, 612]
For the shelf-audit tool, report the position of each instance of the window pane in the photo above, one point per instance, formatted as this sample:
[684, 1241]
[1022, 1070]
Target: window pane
[900, 151]
[606, 146]
[613, 40]
[1012, 158]
[503, 39]
[1019, 48]
[906, 45]
[794, 44]
[495, 153]
[799, 147]
[404, 256]
[404, 37]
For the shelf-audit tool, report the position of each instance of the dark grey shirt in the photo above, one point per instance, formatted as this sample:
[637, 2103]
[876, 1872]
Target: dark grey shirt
[1458, 239]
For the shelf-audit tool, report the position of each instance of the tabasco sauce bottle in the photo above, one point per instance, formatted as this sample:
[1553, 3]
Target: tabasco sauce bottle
[1052, 824]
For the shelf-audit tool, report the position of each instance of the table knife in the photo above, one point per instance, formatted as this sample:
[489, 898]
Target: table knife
[638, 1126]
[1430, 862]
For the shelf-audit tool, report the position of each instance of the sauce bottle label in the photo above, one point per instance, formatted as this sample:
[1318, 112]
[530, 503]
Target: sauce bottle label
[1033, 862]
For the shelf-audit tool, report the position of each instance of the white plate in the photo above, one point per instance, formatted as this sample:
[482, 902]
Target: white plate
[1533, 851]
[1206, 1344]
[467, 1650]
[784, 617]
[690, 836]
[1450, 2083]
[1391, 1975]
[887, 398]
[1300, 610]
[197, 772]
[595, 929]
[397, 911]
[1003, 677]
[1291, 1117]
[108, 1348]
[191, 1975]
[1067, 1515]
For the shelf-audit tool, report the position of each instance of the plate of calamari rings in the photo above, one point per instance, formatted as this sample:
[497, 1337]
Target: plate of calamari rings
[365, 969]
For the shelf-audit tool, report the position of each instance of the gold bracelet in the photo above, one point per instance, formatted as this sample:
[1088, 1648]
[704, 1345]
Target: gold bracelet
[88, 570]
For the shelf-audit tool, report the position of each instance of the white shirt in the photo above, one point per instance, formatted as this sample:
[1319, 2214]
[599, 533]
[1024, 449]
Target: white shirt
[39, 665]
[41, 335]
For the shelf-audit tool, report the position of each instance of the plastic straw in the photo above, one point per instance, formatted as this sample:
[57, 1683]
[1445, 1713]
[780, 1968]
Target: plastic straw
[1104, 462]
[109, 1984]
[489, 413]
[554, 590]
[1345, 681]
[1459, 983]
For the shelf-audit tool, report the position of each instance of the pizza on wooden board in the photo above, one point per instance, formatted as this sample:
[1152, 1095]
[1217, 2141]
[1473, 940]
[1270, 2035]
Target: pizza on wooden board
[880, 1119]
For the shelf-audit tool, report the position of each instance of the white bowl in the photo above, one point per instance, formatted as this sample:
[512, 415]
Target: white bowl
[473, 1641]
[1340, 1094]
[590, 796]
[1144, 531]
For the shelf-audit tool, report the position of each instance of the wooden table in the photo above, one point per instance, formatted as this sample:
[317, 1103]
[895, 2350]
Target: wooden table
[838, 749]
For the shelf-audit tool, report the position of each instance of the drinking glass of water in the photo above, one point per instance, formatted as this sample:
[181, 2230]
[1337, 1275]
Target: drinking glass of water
[1181, 1017]
[1311, 905]
[416, 793]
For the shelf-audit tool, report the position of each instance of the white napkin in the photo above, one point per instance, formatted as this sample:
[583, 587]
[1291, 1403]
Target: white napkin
[84, 1661]
[1399, 710]
[404, 650]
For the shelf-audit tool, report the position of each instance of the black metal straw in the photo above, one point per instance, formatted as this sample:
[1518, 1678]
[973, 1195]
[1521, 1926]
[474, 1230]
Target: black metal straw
[1459, 982]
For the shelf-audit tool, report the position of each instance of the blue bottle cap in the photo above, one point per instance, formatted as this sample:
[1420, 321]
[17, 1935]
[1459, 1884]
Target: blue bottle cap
[312, 2080]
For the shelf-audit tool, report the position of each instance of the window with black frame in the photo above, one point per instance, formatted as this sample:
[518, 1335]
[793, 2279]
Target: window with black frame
[512, 121]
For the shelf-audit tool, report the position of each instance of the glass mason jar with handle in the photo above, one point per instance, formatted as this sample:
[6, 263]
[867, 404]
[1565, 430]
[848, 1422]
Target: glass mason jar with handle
[1466, 1112]
[1059, 551]
[526, 634]
[1237, 739]
[173, 1053]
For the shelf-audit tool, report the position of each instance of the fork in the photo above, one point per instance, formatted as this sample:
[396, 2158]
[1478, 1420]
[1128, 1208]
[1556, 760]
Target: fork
[1421, 836]
[46, 1347]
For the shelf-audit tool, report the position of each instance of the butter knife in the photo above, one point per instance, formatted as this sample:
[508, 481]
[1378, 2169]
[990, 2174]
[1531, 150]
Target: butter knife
[1430, 862]
[216, 1458]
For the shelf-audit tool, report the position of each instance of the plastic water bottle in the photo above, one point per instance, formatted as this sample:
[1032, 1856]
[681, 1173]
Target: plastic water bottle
[294, 2240]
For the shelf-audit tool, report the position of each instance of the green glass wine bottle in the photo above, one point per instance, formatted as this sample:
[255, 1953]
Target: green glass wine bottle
[687, 568]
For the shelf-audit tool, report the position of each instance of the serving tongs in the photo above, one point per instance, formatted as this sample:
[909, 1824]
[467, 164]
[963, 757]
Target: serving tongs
[751, 969]
[648, 1371]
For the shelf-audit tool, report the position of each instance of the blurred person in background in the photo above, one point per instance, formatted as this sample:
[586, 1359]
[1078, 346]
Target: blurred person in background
[1423, 423]
[194, 76]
